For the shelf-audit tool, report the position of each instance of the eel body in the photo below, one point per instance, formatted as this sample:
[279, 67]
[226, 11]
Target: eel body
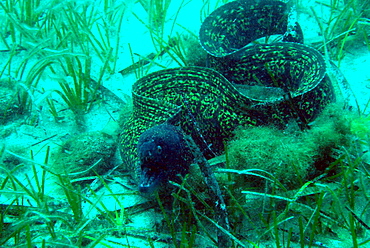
[198, 100]
[247, 84]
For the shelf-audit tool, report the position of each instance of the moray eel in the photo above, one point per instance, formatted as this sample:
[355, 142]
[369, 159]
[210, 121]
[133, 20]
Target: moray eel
[287, 78]
[233, 26]
[247, 85]
[197, 100]
[163, 154]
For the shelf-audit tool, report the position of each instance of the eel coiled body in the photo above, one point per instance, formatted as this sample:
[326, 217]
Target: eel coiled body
[247, 85]
[287, 77]
[198, 100]
[233, 26]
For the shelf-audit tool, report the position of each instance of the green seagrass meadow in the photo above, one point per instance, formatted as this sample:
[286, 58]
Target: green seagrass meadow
[272, 97]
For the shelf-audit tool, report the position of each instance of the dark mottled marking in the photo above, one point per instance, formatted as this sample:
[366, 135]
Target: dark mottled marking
[289, 77]
[249, 85]
[199, 100]
[236, 24]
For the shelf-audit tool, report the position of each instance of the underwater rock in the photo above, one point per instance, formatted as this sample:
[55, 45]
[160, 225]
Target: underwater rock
[13, 102]
[9, 160]
[83, 154]
[163, 155]
[195, 55]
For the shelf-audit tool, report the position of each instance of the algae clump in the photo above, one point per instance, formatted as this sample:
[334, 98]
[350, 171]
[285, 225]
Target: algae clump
[361, 127]
[290, 155]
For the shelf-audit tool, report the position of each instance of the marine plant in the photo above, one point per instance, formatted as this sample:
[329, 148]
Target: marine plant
[209, 6]
[347, 24]
[360, 127]
[164, 40]
[82, 95]
[30, 215]
[328, 209]
[157, 15]
[324, 208]
[59, 32]
[55, 37]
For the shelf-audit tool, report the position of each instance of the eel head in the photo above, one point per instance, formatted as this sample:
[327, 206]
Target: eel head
[163, 155]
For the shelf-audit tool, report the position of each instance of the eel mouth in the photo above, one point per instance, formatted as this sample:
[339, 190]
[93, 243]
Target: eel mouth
[149, 181]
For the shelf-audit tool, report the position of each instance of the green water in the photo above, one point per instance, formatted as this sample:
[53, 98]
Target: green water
[66, 73]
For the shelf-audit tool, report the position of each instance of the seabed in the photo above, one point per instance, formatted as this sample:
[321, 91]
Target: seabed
[66, 72]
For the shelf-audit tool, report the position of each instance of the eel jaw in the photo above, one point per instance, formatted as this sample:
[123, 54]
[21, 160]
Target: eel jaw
[149, 181]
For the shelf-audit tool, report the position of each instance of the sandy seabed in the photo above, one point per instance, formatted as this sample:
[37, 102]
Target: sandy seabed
[38, 130]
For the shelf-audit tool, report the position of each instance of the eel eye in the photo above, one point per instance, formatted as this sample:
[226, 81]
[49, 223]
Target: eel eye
[159, 149]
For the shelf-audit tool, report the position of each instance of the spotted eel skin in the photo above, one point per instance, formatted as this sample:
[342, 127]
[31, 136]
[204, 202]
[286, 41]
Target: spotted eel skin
[288, 78]
[236, 24]
[197, 99]
[247, 85]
